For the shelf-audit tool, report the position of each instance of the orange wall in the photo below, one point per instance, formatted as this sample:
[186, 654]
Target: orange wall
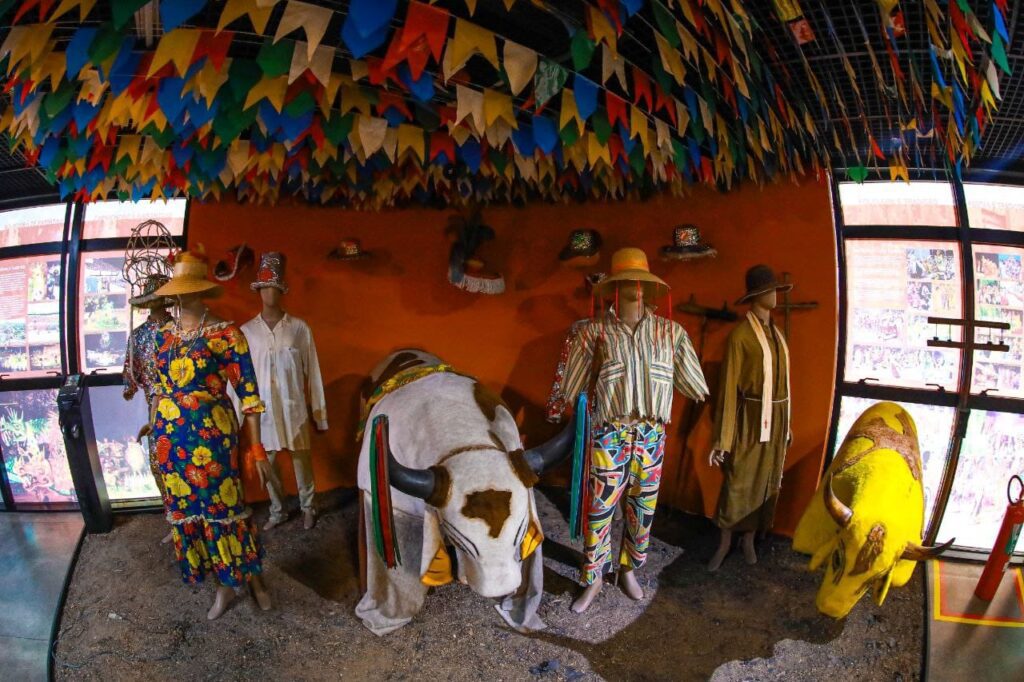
[361, 311]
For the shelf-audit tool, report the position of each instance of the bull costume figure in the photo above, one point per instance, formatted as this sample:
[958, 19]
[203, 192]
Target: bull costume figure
[459, 477]
[866, 519]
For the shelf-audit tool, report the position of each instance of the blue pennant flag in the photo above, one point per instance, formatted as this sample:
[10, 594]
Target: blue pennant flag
[545, 133]
[174, 14]
[358, 44]
[76, 55]
[585, 92]
[370, 16]
[471, 154]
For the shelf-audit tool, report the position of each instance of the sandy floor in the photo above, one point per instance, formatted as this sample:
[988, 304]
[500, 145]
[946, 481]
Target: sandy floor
[129, 617]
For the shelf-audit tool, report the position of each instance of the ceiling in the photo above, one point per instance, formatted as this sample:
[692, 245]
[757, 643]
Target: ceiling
[545, 31]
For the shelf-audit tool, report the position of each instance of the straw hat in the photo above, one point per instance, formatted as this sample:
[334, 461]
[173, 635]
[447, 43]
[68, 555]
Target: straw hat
[630, 265]
[189, 277]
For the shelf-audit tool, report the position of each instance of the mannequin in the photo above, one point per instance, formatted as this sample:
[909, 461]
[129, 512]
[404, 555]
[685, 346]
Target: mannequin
[633, 359]
[287, 369]
[197, 435]
[752, 420]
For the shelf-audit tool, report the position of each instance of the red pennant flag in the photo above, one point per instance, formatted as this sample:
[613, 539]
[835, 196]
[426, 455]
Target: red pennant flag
[611, 10]
[641, 87]
[389, 100]
[662, 102]
[616, 109]
[440, 142]
[214, 46]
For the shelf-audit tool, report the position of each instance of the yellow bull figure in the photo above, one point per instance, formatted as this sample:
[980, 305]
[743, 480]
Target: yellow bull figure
[866, 520]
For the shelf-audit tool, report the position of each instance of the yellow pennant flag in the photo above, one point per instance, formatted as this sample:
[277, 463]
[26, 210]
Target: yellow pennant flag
[682, 116]
[238, 157]
[670, 59]
[498, 107]
[331, 92]
[469, 39]
[52, 67]
[312, 19]
[690, 48]
[597, 151]
[176, 47]
[84, 7]
[520, 65]
[612, 65]
[638, 127]
[569, 111]
[410, 139]
[273, 89]
[129, 146]
[352, 97]
[469, 104]
[209, 80]
[602, 30]
[258, 15]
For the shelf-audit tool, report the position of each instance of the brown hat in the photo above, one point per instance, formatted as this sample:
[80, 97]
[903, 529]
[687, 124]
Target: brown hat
[189, 278]
[630, 265]
[760, 280]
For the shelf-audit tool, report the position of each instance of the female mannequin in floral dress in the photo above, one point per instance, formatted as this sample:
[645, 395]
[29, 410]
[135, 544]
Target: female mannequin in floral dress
[197, 438]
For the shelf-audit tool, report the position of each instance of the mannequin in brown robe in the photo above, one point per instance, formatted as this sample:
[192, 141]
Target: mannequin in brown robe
[750, 436]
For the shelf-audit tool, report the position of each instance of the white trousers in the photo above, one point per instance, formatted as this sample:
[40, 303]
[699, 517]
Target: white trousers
[303, 462]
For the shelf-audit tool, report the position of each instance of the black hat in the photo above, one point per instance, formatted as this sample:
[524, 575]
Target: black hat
[687, 244]
[582, 244]
[760, 280]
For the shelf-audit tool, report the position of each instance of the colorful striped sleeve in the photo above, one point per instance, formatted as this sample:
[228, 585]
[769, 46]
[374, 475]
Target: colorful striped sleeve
[689, 377]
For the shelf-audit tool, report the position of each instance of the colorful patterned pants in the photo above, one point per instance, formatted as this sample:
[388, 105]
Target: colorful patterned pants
[626, 458]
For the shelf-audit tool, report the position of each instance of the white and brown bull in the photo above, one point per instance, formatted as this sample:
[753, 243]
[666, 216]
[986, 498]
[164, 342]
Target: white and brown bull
[865, 522]
[460, 478]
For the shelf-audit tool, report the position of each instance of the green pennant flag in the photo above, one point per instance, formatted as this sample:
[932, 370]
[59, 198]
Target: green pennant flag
[662, 76]
[548, 81]
[105, 45]
[678, 153]
[232, 120]
[337, 128]
[275, 58]
[666, 23]
[602, 128]
[999, 52]
[857, 173]
[303, 104]
[498, 160]
[569, 134]
[582, 48]
[243, 75]
[637, 161]
[55, 102]
[123, 10]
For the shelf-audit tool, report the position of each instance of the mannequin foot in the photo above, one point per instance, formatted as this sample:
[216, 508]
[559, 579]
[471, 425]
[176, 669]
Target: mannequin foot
[630, 585]
[723, 550]
[749, 554]
[224, 597]
[587, 597]
[167, 538]
[308, 519]
[259, 591]
[274, 522]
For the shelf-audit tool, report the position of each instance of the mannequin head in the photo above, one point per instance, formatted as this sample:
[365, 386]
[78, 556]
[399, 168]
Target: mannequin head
[630, 293]
[271, 297]
[766, 301]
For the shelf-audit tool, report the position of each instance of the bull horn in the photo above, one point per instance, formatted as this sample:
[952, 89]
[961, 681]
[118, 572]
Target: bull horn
[916, 552]
[432, 485]
[839, 512]
[547, 455]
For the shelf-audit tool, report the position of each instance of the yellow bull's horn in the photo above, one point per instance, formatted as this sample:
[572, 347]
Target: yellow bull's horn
[915, 552]
[839, 512]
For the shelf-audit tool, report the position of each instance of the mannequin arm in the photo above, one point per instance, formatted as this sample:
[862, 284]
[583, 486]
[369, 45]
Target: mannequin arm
[251, 430]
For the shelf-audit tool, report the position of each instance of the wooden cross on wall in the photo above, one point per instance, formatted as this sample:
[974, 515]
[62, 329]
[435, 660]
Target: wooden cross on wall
[787, 306]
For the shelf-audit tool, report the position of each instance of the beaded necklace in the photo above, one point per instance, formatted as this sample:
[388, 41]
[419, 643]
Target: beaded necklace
[179, 334]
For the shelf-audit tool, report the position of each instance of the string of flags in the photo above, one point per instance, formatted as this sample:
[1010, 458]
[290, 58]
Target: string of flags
[263, 99]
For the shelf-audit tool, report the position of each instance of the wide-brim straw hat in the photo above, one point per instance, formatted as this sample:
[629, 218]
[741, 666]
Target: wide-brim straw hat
[630, 265]
[760, 280]
[190, 277]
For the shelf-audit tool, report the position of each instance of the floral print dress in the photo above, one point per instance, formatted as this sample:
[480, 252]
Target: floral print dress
[196, 436]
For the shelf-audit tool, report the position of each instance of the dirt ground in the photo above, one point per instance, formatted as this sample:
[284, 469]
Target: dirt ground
[128, 616]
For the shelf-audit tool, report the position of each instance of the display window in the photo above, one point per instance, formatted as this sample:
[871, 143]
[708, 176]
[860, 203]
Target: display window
[934, 429]
[30, 316]
[124, 460]
[999, 297]
[893, 287]
[898, 203]
[994, 207]
[103, 311]
[32, 447]
[113, 219]
[36, 225]
[993, 450]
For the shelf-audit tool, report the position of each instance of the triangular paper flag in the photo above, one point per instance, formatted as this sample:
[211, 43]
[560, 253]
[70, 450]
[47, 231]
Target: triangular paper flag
[313, 20]
[520, 65]
[469, 39]
[612, 65]
[258, 15]
[176, 47]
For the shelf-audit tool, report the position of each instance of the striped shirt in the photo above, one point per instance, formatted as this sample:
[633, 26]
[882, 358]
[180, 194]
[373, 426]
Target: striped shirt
[637, 369]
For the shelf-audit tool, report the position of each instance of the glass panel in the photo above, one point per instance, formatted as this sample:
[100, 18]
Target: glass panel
[29, 316]
[103, 311]
[992, 452]
[124, 461]
[35, 225]
[105, 219]
[897, 203]
[892, 288]
[999, 288]
[995, 207]
[934, 429]
[33, 448]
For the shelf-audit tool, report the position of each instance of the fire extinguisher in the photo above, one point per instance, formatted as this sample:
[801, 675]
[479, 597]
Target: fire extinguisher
[1005, 542]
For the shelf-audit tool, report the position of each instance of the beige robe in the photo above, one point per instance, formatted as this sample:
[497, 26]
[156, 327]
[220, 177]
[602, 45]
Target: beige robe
[753, 469]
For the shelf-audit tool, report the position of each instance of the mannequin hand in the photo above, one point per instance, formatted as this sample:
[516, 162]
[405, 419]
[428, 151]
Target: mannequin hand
[717, 458]
[143, 432]
[263, 471]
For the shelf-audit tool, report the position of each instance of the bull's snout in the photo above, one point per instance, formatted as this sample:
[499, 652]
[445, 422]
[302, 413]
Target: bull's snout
[493, 582]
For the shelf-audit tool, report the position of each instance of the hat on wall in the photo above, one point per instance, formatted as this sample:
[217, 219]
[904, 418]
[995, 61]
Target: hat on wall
[583, 244]
[687, 245]
[466, 270]
[348, 249]
[189, 277]
[630, 265]
[148, 297]
[760, 280]
[238, 258]
[270, 272]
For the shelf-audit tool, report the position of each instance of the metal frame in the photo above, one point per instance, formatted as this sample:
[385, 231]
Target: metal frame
[71, 250]
[962, 399]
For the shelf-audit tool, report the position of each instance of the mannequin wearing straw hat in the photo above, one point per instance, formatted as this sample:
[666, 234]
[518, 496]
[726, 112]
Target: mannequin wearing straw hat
[140, 361]
[629, 360]
[197, 438]
[752, 419]
[288, 371]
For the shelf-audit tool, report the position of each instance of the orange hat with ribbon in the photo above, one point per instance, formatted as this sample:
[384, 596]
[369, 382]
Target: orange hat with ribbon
[630, 265]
